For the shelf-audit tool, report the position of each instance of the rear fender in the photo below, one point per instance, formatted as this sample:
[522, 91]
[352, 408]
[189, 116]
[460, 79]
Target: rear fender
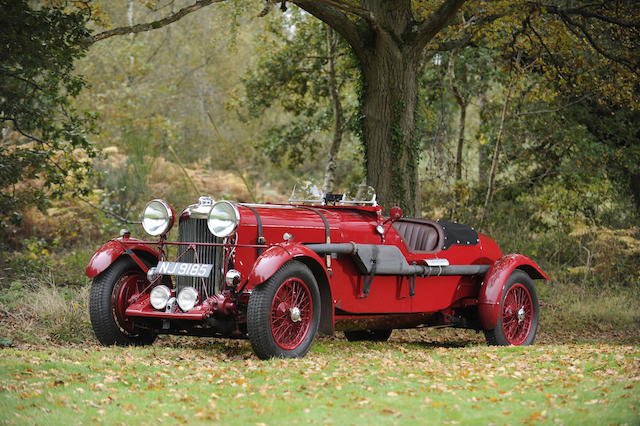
[276, 256]
[112, 250]
[492, 286]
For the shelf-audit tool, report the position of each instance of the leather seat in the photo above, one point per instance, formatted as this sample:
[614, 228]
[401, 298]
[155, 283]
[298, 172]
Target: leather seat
[420, 235]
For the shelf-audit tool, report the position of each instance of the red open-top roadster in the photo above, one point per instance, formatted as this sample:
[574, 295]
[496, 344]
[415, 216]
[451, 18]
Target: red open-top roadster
[278, 274]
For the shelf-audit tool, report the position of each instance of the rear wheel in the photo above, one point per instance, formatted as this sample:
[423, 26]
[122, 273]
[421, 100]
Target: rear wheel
[368, 335]
[108, 301]
[284, 312]
[519, 312]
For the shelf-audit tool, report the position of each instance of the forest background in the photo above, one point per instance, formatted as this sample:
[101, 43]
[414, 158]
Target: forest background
[526, 127]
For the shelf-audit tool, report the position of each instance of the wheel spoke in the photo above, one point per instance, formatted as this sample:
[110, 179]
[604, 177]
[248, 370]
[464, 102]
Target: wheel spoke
[287, 333]
[517, 314]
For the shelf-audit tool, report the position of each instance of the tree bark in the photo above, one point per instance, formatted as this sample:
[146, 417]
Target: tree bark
[330, 170]
[388, 123]
[389, 90]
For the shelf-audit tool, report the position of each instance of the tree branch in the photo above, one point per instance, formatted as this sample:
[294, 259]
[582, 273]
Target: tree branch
[436, 22]
[592, 42]
[336, 19]
[140, 28]
[17, 77]
[354, 10]
[553, 110]
[552, 58]
[581, 11]
[111, 214]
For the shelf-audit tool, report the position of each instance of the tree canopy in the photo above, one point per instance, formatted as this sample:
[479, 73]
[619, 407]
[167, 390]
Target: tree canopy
[393, 41]
[581, 59]
[43, 141]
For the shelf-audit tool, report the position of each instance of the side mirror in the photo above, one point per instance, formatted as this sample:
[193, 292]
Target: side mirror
[395, 213]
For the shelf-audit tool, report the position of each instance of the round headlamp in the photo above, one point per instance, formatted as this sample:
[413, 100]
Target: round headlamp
[187, 298]
[159, 297]
[157, 218]
[223, 219]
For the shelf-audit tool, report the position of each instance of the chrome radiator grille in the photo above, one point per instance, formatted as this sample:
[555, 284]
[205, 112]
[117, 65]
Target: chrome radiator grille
[196, 231]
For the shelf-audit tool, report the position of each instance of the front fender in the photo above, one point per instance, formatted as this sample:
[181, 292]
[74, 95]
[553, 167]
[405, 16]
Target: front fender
[492, 286]
[273, 259]
[276, 256]
[113, 249]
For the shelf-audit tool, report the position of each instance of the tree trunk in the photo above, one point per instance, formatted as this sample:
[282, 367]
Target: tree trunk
[482, 167]
[388, 42]
[330, 170]
[462, 104]
[482, 149]
[462, 120]
[634, 185]
[388, 106]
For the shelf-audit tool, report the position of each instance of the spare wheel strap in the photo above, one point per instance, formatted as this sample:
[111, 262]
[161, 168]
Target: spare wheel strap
[260, 240]
[327, 230]
[327, 235]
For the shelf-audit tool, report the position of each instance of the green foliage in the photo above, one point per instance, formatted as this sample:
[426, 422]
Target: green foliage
[290, 144]
[60, 264]
[292, 79]
[43, 137]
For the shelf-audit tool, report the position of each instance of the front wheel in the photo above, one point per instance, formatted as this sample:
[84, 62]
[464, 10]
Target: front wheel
[519, 312]
[108, 301]
[284, 312]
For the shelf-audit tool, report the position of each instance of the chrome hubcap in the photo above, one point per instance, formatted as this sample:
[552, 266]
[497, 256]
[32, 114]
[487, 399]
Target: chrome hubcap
[521, 315]
[295, 314]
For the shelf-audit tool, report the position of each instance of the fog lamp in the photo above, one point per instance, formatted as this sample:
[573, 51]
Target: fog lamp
[159, 297]
[187, 298]
[232, 278]
[152, 274]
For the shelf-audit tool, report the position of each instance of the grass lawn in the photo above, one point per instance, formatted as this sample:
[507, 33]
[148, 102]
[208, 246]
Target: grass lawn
[399, 382]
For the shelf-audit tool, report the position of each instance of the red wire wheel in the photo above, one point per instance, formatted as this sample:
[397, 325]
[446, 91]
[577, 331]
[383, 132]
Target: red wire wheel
[291, 313]
[284, 312]
[517, 314]
[124, 289]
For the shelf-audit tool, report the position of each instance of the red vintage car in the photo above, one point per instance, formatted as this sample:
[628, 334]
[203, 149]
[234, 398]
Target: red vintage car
[278, 274]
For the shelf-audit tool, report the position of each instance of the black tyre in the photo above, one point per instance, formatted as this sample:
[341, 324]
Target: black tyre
[519, 313]
[108, 301]
[284, 312]
[368, 335]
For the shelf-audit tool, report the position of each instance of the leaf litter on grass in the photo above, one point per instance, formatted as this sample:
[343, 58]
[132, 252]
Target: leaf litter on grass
[206, 381]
